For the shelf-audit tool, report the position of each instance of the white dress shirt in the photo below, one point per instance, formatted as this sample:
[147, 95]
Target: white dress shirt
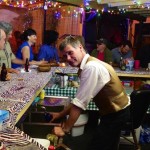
[93, 78]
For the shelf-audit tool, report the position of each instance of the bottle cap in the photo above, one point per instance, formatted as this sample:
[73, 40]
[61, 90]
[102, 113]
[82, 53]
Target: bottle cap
[51, 147]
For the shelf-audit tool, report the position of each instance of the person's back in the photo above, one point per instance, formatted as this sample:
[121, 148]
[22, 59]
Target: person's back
[124, 51]
[48, 50]
[48, 53]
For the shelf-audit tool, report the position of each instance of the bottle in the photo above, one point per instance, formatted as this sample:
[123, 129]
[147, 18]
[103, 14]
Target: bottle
[3, 72]
[122, 64]
[27, 65]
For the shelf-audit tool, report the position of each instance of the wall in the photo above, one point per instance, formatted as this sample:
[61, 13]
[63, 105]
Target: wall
[21, 19]
[131, 34]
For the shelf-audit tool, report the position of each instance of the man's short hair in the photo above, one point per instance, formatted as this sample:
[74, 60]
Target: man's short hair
[70, 40]
[126, 42]
[7, 27]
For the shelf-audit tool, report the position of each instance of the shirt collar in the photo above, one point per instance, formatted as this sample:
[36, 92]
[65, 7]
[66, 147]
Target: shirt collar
[84, 60]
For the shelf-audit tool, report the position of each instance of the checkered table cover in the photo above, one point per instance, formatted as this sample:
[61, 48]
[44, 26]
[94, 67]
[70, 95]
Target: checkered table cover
[54, 90]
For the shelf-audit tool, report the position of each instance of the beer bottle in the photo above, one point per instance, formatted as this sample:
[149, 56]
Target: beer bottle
[3, 72]
[122, 64]
[27, 65]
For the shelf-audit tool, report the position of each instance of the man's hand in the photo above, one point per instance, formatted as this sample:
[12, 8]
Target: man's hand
[33, 62]
[11, 70]
[8, 76]
[55, 116]
[59, 131]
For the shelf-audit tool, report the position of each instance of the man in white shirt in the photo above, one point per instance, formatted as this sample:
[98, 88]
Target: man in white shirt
[98, 81]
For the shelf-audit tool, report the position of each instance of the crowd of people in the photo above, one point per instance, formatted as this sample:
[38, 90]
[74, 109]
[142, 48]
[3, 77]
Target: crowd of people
[25, 42]
[98, 80]
[48, 51]
[113, 56]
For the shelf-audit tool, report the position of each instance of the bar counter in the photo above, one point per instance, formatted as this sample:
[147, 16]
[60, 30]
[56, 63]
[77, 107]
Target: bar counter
[135, 73]
[16, 96]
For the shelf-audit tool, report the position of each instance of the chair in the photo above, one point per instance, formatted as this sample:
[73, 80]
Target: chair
[140, 100]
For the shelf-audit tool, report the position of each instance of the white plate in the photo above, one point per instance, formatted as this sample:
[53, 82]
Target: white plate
[23, 71]
[33, 66]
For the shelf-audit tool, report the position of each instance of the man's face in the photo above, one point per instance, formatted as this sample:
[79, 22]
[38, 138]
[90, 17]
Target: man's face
[125, 49]
[101, 47]
[2, 40]
[9, 35]
[73, 55]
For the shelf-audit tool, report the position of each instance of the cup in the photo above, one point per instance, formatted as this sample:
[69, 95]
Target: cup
[137, 64]
[130, 64]
[148, 65]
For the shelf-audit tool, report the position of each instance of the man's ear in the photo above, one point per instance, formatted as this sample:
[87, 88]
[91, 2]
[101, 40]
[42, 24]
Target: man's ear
[81, 47]
[28, 37]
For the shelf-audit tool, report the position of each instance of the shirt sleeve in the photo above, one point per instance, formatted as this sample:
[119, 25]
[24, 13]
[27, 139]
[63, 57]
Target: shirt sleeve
[56, 55]
[41, 54]
[93, 79]
[13, 56]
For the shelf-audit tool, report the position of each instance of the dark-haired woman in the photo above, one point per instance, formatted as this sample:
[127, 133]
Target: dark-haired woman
[25, 50]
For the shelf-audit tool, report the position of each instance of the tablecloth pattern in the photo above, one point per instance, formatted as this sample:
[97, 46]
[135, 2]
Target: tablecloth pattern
[14, 95]
[67, 70]
[54, 90]
[17, 92]
[14, 139]
[142, 71]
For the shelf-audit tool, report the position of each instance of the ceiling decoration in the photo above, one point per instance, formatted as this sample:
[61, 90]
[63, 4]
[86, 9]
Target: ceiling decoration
[137, 7]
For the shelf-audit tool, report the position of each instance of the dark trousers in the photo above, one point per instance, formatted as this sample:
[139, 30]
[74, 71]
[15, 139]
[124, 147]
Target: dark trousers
[108, 132]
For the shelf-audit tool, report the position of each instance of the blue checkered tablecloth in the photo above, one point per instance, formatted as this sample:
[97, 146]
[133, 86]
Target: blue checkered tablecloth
[54, 90]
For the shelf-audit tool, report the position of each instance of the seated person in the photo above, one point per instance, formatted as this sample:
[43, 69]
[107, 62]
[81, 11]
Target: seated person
[2, 43]
[48, 51]
[25, 49]
[124, 51]
[102, 52]
[6, 54]
[144, 55]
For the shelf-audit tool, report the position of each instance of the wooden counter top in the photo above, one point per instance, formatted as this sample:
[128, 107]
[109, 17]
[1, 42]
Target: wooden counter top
[140, 73]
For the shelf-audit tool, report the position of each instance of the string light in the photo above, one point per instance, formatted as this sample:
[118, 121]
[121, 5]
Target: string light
[37, 4]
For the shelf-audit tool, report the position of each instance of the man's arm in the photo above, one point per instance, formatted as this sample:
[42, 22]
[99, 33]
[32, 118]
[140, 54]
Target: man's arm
[73, 116]
[18, 61]
[74, 113]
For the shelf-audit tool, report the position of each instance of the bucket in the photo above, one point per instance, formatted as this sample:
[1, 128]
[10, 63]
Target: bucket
[78, 128]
